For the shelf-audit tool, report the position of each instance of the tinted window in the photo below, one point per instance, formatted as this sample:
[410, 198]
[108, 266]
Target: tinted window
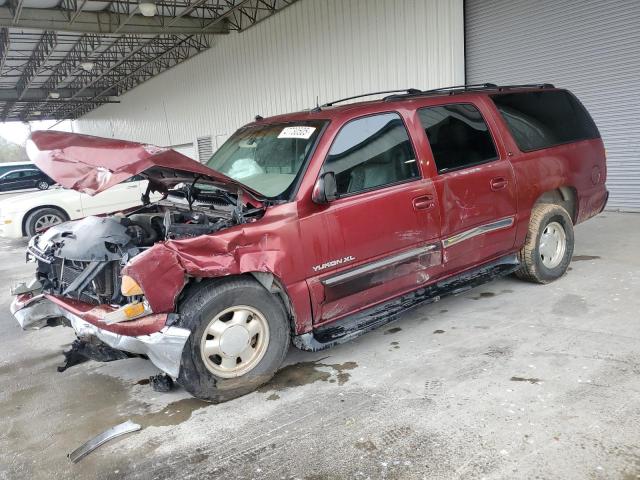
[543, 119]
[13, 175]
[458, 136]
[371, 152]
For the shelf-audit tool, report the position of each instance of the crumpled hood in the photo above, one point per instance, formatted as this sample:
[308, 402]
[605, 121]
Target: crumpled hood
[92, 164]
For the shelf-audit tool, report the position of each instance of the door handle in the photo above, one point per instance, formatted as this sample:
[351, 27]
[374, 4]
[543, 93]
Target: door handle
[423, 203]
[498, 183]
[132, 186]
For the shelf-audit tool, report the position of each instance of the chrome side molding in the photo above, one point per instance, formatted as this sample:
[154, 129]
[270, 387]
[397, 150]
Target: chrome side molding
[479, 230]
[379, 264]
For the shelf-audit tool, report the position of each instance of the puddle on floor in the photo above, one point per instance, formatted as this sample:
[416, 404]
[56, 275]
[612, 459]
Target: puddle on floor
[30, 362]
[173, 414]
[305, 373]
[484, 295]
[581, 258]
[391, 331]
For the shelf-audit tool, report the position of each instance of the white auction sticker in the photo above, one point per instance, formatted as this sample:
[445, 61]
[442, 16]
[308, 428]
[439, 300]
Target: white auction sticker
[296, 132]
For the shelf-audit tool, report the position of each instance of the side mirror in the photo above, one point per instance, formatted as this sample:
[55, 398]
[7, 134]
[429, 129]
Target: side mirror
[326, 189]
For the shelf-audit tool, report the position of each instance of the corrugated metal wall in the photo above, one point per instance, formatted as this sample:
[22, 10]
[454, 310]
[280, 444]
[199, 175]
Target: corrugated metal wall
[589, 46]
[323, 49]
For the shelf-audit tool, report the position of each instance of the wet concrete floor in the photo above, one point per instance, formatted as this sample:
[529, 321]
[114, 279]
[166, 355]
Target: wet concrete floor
[510, 380]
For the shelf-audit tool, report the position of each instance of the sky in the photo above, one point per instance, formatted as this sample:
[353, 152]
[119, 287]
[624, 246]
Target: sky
[18, 132]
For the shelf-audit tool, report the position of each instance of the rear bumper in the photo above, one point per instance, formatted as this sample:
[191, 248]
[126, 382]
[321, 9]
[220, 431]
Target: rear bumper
[163, 347]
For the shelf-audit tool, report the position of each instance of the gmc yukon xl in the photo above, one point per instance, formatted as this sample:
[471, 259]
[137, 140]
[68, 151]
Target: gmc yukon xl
[312, 228]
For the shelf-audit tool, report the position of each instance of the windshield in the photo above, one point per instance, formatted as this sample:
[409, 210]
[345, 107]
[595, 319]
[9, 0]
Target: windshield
[267, 158]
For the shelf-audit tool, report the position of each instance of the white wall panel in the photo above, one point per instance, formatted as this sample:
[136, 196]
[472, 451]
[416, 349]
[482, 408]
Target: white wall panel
[323, 49]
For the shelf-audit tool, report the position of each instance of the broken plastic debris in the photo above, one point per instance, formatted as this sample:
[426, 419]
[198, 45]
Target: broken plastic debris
[161, 382]
[88, 447]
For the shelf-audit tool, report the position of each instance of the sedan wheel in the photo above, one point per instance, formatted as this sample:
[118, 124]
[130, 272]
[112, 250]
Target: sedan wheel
[42, 185]
[47, 221]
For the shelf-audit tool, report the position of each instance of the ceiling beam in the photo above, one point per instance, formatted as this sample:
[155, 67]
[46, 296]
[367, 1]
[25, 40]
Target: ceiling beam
[42, 94]
[106, 22]
[15, 6]
[36, 62]
[5, 42]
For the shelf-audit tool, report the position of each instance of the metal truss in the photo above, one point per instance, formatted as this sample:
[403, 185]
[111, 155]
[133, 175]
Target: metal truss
[54, 75]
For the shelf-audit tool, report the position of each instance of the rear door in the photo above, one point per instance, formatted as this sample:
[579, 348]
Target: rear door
[31, 178]
[384, 226]
[475, 184]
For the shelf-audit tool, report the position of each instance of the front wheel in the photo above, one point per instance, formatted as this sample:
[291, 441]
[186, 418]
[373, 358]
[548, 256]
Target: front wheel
[239, 338]
[548, 248]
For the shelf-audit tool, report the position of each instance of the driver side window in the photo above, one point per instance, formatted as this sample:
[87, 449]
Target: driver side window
[371, 152]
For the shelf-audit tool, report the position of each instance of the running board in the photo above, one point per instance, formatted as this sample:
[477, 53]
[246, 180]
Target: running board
[362, 322]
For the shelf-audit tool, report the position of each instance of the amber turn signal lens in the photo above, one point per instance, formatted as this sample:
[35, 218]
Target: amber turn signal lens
[133, 310]
[129, 287]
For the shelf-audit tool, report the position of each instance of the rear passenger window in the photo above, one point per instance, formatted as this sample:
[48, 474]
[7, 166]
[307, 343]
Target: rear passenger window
[544, 119]
[458, 135]
[371, 152]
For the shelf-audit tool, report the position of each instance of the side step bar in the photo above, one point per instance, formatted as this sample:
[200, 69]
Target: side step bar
[362, 322]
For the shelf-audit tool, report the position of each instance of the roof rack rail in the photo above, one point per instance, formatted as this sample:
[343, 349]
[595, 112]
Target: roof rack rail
[408, 91]
[466, 88]
[527, 85]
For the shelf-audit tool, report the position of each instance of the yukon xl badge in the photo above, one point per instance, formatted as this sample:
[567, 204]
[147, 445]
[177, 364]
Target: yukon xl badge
[333, 263]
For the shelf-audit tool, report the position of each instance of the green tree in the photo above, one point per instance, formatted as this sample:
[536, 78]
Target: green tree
[12, 152]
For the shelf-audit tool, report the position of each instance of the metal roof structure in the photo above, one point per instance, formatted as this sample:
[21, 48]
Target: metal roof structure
[60, 59]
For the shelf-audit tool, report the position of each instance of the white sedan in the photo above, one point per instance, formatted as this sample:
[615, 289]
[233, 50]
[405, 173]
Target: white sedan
[28, 214]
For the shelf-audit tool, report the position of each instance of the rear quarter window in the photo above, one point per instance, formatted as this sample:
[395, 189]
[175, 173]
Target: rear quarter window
[542, 119]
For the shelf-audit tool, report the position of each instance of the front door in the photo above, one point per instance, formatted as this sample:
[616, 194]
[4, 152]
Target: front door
[384, 225]
[119, 197]
[475, 185]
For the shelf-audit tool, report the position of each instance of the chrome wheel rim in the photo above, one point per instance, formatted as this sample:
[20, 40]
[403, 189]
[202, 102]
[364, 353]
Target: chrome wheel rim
[43, 185]
[46, 221]
[234, 341]
[553, 245]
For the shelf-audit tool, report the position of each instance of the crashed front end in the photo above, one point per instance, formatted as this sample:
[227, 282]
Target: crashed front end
[78, 278]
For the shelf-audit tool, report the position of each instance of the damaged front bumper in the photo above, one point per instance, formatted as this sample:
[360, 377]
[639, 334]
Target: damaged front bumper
[163, 347]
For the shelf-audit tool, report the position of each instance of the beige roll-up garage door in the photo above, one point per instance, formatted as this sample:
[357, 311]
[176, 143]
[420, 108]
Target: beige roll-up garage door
[591, 47]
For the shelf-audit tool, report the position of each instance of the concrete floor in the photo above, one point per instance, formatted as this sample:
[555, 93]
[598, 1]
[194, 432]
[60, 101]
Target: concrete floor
[511, 380]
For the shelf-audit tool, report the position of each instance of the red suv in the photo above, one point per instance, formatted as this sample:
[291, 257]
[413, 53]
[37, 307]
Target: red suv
[314, 227]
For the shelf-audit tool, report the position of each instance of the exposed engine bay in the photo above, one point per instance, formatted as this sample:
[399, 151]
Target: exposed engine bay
[82, 259]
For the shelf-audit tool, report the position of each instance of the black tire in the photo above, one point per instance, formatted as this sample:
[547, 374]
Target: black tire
[32, 219]
[533, 268]
[201, 305]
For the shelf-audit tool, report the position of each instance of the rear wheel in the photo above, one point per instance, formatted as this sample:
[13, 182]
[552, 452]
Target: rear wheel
[42, 185]
[548, 248]
[239, 338]
[42, 219]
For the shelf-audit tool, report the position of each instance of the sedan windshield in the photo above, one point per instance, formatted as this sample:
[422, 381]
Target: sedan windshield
[267, 158]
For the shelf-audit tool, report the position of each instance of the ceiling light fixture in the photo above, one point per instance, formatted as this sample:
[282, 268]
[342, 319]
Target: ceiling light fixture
[35, 113]
[147, 9]
[54, 95]
[87, 66]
